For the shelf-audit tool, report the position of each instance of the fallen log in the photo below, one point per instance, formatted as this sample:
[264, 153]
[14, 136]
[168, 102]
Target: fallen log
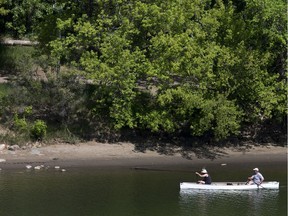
[10, 42]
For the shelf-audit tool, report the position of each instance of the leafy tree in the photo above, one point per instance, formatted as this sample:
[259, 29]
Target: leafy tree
[128, 42]
[200, 67]
[3, 11]
[257, 35]
[25, 15]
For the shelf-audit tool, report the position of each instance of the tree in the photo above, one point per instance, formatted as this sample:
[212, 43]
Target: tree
[197, 67]
[257, 35]
[25, 15]
[3, 11]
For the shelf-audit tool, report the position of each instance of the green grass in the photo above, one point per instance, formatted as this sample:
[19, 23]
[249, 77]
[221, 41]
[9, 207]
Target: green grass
[15, 58]
[4, 89]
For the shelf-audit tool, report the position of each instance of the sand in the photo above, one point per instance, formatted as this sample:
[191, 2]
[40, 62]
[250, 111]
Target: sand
[127, 155]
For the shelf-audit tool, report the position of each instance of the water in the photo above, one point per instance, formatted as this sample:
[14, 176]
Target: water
[127, 192]
[261, 202]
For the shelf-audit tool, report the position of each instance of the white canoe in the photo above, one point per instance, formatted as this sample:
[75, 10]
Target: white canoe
[229, 186]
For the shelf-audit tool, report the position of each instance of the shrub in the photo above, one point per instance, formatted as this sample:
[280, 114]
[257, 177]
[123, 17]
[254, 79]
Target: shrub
[15, 59]
[38, 130]
[20, 124]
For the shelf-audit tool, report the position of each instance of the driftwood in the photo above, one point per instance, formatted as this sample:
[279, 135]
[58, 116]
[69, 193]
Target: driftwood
[10, 42]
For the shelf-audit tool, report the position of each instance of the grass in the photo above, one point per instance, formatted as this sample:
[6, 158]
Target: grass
[15, 58]
[62, 134]
[4, 89]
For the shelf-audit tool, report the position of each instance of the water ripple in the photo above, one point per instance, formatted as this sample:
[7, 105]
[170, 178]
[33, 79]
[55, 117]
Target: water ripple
[205, 202]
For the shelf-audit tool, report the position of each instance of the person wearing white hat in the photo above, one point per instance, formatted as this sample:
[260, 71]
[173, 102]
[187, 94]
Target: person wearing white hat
[257, 178]
[206, 177]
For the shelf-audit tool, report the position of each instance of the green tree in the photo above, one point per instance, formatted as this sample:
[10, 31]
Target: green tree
[3, 11]
[256, 33]
[201, 66]
[25, 15]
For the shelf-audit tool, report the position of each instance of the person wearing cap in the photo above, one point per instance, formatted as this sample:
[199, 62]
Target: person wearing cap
[257, 178]
[206, 177]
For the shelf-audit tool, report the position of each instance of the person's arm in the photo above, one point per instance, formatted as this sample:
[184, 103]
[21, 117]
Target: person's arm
[199, 174]
[250, 179]
[202, 176]
[261, 178]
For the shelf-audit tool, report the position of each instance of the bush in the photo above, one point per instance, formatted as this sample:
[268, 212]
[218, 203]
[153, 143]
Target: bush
[20, 124]
[38, 130]
[15, 59]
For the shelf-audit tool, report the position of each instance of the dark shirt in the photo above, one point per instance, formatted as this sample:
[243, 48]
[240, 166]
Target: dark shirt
[207, 179]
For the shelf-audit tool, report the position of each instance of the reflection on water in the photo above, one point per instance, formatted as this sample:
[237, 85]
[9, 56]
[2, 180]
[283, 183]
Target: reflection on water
[128, 193]
[208, 202]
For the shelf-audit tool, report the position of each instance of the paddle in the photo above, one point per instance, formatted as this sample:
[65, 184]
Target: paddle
[259, 185]
[247, 181]
[196, 178]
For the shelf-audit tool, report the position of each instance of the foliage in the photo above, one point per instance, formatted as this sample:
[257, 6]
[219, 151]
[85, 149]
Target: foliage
[205, 80]
[3, 10]
[20, 124]
[175, 66]
[14, 60]
[25, 15]
[4, 90]
[38, 130]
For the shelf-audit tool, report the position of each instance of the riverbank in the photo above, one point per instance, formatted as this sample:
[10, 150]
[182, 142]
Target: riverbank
[126, 155]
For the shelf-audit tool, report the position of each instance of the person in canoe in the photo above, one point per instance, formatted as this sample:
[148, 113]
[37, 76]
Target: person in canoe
[206, 177]
[257, 178]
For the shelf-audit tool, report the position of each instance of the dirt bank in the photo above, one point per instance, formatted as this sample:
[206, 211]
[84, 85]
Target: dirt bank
[125, 155]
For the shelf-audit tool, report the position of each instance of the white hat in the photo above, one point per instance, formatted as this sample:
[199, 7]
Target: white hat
[204, 171]
[256, 169]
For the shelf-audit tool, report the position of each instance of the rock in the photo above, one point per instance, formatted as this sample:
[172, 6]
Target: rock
[2, 160]
[37, 167]
[28, 166]
[13, 147]
[2, 147]
[35, 152]
[57, 167]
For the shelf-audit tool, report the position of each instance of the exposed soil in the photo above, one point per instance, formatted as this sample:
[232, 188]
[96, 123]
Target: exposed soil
[125, 155]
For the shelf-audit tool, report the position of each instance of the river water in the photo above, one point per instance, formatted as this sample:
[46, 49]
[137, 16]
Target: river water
[117, 192]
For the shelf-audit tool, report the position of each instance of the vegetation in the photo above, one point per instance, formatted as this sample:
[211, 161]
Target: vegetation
[208, 69]
[15, 60]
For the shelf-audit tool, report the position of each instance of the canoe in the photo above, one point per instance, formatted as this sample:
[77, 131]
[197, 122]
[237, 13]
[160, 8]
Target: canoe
[229, 186]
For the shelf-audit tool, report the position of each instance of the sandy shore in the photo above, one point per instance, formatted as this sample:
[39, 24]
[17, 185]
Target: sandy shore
[126, 155]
